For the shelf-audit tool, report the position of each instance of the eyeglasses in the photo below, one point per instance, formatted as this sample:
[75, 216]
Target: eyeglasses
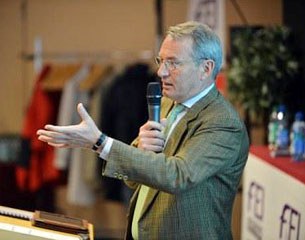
[170, 64]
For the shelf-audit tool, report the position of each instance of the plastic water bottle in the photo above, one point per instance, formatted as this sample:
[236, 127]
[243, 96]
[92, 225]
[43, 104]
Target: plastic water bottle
[297, 137]
[272, 129]
[282, 136]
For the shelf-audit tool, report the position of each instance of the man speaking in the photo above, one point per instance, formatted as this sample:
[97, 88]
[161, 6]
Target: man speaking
[185, 170]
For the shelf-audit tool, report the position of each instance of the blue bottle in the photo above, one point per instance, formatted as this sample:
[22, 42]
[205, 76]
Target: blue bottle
[282, 137]
[272, 129]
[297, 137]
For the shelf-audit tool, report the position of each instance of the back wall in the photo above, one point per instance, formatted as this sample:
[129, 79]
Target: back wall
[89, 26]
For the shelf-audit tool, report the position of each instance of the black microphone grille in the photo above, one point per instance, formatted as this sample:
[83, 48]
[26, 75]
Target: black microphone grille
[153, 93]
[154, 89]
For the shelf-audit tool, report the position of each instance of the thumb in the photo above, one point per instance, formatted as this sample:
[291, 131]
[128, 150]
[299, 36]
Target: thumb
[83, 113]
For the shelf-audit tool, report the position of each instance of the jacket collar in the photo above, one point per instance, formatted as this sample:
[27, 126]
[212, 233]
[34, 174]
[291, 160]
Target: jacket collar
[168, 104]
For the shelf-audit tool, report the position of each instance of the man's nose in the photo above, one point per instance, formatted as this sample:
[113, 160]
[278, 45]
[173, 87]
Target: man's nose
[162, 71]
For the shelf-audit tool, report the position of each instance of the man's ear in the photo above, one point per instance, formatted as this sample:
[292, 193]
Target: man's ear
[208, 67]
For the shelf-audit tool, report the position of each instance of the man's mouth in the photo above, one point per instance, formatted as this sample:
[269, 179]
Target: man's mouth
[166, 85]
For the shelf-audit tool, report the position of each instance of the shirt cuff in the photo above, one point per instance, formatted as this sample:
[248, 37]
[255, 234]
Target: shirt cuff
[106, 149]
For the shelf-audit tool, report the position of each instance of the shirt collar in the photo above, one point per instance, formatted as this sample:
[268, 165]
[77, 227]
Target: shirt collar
[190, 102]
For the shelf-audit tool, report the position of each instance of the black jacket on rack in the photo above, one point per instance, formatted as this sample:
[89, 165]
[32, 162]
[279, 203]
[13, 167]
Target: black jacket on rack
[124, 110]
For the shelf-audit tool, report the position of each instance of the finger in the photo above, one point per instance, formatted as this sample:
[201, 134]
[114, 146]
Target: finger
[58, 145]
[152, 134]
[157, 142]
[45, 132]
[153, 141]
[150, 125]
[147, 143]
[52, 134]
[83, 113]
[47, 139]
[55, 137]
[63, 131]
[155, 125]
[158, 134]
[153, 148]
[157, 149]
[43, 138]
[59, 129]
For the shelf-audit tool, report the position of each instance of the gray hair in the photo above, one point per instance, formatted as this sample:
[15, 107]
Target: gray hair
[206, 44]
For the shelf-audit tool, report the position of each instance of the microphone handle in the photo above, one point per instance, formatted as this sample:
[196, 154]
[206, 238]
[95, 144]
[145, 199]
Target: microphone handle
[154, 112]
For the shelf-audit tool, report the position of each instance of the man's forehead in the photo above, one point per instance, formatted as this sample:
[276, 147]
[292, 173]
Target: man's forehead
[172, 48]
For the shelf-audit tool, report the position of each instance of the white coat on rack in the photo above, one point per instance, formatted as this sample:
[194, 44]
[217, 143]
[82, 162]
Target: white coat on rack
[79, 192]
[38, 62]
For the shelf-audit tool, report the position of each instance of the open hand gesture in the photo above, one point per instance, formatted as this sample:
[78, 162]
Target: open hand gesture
[83, 135]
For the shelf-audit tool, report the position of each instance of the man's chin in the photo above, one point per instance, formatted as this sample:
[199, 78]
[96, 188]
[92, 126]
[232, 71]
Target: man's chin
[166, 93]
[169, 95]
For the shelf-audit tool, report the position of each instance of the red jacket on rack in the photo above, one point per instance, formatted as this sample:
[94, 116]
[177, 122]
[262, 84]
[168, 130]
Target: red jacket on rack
[37, 166]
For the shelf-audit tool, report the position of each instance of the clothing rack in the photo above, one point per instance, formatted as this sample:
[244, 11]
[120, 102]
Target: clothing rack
[103, 63]
[105, 55]
[99, 56]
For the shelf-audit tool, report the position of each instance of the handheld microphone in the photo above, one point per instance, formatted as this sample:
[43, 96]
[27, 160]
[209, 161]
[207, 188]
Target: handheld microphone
[154, 101]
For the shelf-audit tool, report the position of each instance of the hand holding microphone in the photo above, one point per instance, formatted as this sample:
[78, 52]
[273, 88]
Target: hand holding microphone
[151, 137]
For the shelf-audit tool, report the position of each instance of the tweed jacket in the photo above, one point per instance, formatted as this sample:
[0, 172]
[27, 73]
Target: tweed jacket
[193, 182]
